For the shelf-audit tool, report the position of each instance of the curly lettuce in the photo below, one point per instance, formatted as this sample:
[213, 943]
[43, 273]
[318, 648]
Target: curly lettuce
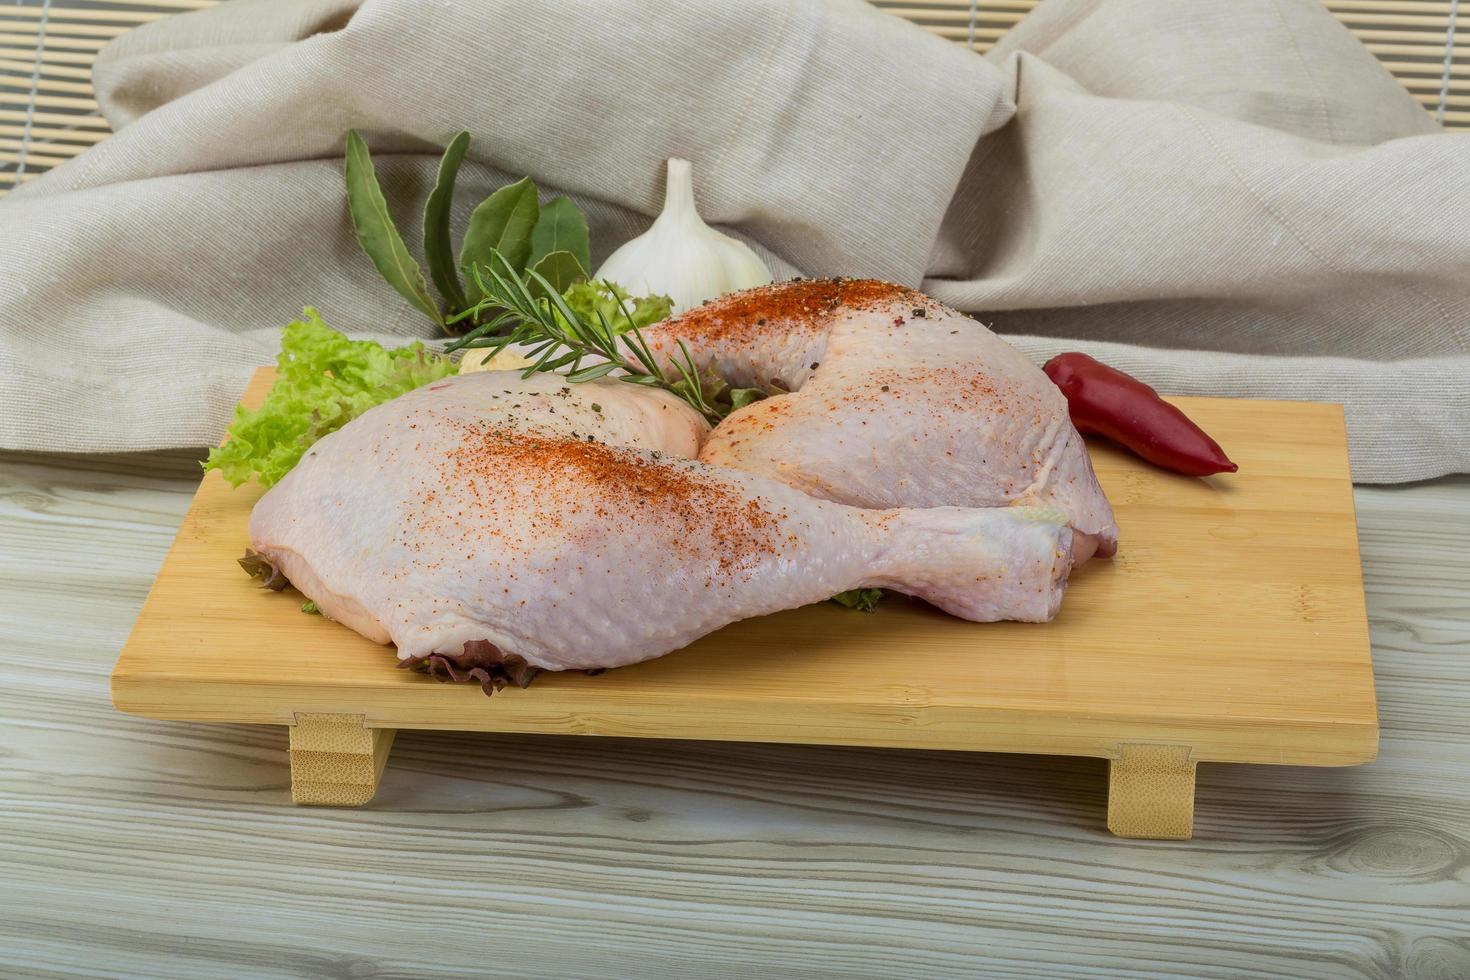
[324, 381]
[589, 297]
[863, 600]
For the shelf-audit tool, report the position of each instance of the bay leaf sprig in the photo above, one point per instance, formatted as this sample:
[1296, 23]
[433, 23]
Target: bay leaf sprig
[438, 248]
[561, 227]
[501, 224]
[551, 239]
[376, 232]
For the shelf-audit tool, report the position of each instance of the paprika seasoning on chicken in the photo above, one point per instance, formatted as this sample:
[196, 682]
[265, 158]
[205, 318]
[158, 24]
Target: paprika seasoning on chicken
[1105, 401]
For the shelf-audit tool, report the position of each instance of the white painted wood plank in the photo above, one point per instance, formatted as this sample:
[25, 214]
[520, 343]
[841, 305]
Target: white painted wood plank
[134, 848]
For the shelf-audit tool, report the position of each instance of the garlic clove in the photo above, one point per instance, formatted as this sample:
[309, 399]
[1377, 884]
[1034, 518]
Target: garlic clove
[682, 257]
[490, 359]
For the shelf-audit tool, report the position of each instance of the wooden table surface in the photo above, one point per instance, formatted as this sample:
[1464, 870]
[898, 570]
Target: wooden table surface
[136, 848]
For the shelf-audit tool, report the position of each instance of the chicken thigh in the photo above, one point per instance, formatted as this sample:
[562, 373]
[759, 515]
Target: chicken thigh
[495, 524]
[894, 401]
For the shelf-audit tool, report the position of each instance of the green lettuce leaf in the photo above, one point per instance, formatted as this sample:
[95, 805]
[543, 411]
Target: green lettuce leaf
[325, 381]
[863, 600]
[587, 297]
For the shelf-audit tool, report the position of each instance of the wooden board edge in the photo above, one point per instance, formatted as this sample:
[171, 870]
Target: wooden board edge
[947, 728]
[1364, 628]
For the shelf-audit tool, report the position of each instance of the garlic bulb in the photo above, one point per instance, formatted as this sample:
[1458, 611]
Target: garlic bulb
[681, 257]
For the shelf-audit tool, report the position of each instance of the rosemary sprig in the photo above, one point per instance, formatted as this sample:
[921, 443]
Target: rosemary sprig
[525, 309]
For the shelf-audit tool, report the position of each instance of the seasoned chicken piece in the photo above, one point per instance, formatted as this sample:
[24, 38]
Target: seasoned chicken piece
[495, 524]
[895, 401]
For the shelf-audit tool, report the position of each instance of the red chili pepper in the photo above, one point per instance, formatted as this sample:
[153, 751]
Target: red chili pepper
[1107, 402]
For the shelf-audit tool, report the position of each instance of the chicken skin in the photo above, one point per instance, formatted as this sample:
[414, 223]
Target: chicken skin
[497, 525]
[893, 400]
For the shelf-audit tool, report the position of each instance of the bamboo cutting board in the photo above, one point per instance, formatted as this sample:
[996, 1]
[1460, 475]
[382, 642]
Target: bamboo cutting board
[1230, 628]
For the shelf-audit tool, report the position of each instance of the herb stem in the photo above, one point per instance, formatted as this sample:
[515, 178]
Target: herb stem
[530, 312]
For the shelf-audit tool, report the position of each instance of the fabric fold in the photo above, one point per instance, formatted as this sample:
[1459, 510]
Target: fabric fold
[1226, 199]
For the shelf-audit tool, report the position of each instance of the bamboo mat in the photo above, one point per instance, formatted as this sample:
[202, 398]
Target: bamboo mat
[48, 115]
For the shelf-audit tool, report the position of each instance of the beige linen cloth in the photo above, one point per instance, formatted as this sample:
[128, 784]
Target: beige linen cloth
[1224, 199]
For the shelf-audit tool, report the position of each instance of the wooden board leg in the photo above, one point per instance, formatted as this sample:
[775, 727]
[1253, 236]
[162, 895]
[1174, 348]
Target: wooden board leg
[1151, 792]
[335, 760]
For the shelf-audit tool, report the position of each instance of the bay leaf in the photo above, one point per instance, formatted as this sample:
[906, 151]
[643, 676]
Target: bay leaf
[438, 250]
[561, 228]
[503, 223]
[376, 232]
[560, 269]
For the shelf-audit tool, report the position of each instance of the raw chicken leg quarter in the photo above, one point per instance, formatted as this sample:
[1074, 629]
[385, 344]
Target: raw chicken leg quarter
[895, 401]
[492, 526]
